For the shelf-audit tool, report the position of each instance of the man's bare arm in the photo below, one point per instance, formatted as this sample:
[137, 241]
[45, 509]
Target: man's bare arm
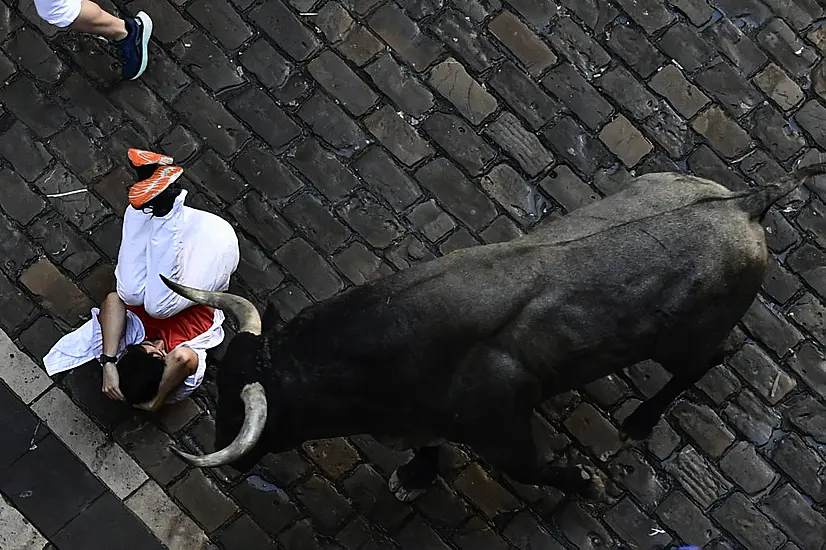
[112, 320]
[180, 363]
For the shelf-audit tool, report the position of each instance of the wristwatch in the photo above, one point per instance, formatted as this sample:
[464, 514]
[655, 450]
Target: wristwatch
[103, 359]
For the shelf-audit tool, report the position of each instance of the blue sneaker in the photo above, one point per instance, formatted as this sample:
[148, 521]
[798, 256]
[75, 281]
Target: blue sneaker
[134, 49]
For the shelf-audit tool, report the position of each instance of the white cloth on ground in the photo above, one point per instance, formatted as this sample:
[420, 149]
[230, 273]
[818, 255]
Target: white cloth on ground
[193, 247]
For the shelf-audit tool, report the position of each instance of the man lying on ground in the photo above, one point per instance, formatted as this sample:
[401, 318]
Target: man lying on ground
[150, 341]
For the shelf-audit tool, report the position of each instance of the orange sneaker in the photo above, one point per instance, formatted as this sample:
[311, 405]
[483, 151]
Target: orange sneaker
[146, 190]
[139, 157]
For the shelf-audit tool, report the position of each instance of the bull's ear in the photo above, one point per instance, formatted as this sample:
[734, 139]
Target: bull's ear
[270, 318]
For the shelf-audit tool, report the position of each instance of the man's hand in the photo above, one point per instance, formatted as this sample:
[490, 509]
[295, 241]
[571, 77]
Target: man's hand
[111, 382]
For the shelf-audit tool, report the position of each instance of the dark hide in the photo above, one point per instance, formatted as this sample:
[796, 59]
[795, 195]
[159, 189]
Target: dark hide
[464, 347]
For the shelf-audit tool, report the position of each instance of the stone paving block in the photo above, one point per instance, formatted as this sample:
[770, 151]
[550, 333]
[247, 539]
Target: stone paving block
[212, 121]
[310, 217]
[17, 533]
[680, 514]
[634, 526]
[571, 142]
[20, 373]
[748, 470]
[634, 473]
[394, 132]
[103, 457]
[682, 94]
[49, 486]
[399, 85]
[809, 312]
[685, 46]
[309, 268]
[431, 220]
[475, 49]
[567, 85]
[698, 478]
[150, 448]
[329, 70]
[703, 425]
[751, 417]
[735, 46]
[405, 37]
[24, 152]
[808, 416]
[534, 55]
[41, 114]
[790, 509]
[742, 519]
[808, 263]
[285, 29]
[776, 84]
[514, 195]
[453, 82]
[322, 168]
[771, 328]
[802, 464]
[794, 55]
[332, 125]
[166, 520]
[635, 49]
[524, 96]
[383, 175]
[460, 141]
[581, 529]
[222, 22]
[245, 534]
[203, 500]
[59, 294]
[456, 193]
[280, 76]
[625, 141]
[507, 131]
[724, 135]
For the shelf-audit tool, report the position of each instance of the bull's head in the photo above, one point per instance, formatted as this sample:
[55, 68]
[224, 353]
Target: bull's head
[252, 393]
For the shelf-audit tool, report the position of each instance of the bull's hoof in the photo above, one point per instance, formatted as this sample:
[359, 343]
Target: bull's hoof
[400, 491]
[592, 486]
[637, 427]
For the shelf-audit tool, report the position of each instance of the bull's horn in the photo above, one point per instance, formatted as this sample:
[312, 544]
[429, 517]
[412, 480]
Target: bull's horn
[243, 310]
[255, 418]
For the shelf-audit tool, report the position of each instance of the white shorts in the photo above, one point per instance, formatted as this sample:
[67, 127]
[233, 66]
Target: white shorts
[60, 13]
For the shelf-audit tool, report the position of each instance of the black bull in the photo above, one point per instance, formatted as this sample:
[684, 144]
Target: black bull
[464, 347]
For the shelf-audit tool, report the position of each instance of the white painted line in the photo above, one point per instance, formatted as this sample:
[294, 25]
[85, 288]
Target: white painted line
[164, 518]
[21, 374]
[16, 533]
[103, 457]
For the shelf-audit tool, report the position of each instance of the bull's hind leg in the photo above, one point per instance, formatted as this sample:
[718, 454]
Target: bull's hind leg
[640, 424]
[516, 456]
[410, 480]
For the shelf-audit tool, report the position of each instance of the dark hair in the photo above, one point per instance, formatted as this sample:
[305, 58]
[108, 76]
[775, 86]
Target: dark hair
[140, 374]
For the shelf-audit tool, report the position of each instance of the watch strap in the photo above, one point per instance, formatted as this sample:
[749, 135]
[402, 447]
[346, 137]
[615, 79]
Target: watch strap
[103, 359]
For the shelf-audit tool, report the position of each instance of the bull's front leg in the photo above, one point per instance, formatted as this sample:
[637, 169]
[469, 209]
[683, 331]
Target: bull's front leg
[411, 480]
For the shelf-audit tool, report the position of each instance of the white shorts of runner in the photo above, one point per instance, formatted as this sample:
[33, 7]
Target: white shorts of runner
[60, 13]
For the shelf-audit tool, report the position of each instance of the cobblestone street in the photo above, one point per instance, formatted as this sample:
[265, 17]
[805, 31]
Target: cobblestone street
[347, 139]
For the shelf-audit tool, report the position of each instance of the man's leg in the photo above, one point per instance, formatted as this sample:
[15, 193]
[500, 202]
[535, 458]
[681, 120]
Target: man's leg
[191, 247]
[130, 35]
[130, 271]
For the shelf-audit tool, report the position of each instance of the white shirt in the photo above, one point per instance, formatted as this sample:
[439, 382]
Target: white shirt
[86, 343]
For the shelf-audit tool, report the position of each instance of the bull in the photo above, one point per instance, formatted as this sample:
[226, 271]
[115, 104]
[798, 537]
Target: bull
[463, 348]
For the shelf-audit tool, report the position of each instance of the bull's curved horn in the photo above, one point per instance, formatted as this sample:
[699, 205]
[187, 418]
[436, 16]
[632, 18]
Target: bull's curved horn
[255, 418]
[243, 310]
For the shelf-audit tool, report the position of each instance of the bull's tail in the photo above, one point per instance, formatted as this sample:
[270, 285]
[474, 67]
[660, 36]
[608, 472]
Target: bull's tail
[757, 202]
